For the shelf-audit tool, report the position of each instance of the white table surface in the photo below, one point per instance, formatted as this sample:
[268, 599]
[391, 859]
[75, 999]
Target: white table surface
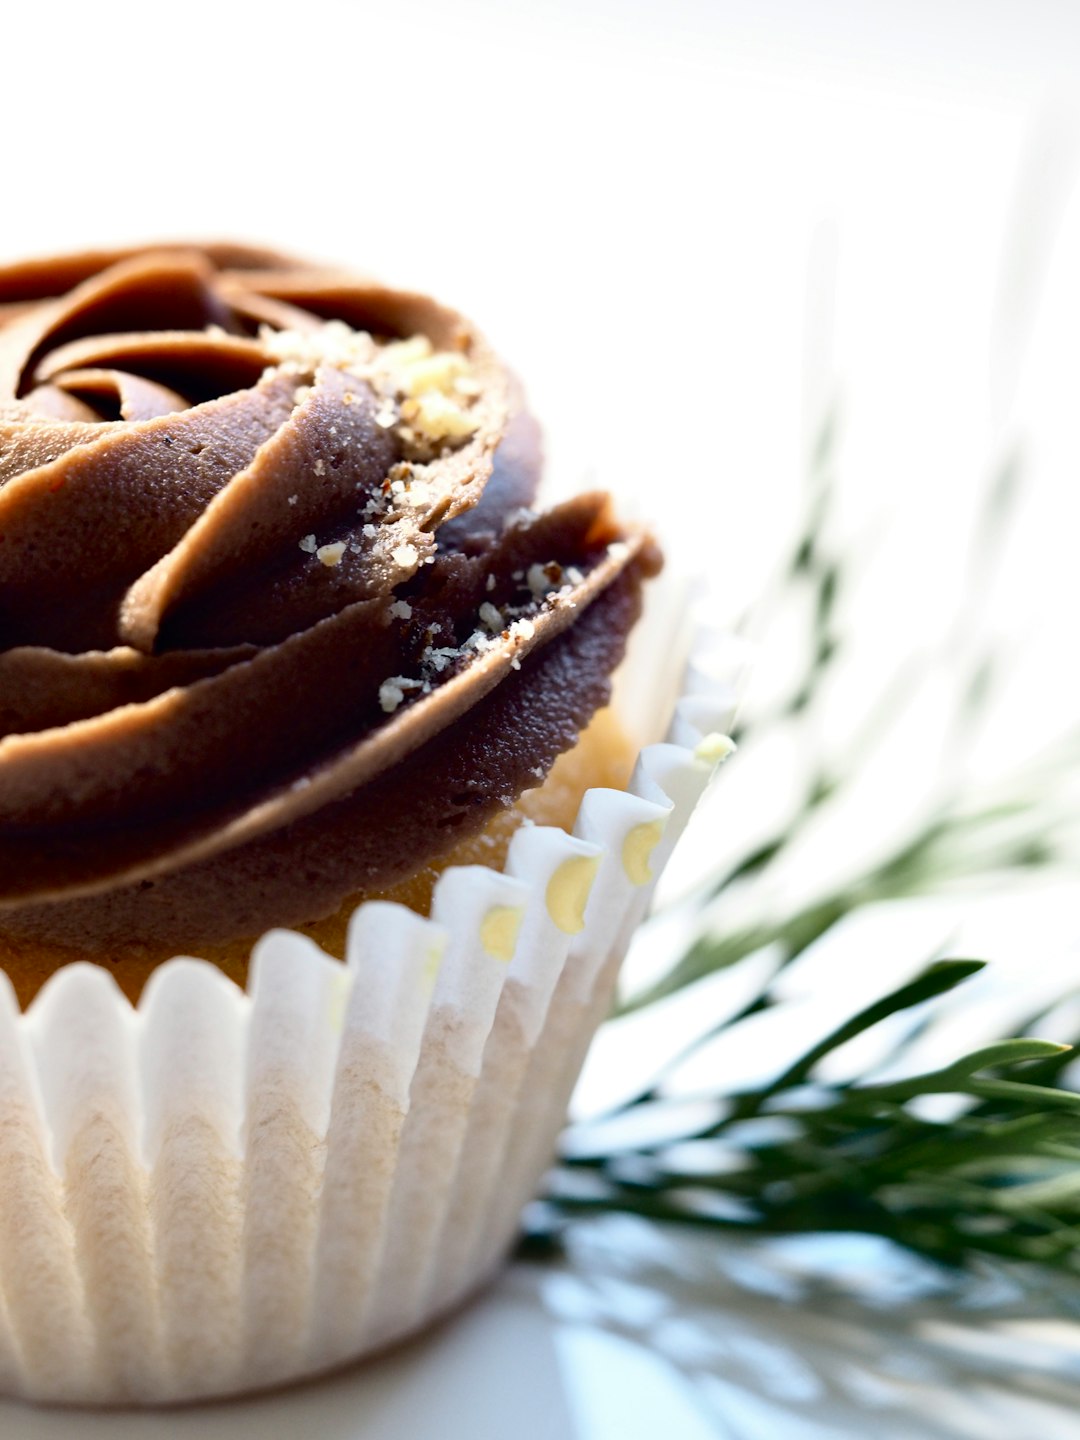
[644, 1332]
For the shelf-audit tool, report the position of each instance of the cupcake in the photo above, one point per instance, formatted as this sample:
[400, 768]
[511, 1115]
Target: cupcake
[294, 671]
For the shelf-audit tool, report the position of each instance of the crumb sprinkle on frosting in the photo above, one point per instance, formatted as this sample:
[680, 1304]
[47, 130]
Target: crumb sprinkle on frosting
[335, 502]
[425, 395]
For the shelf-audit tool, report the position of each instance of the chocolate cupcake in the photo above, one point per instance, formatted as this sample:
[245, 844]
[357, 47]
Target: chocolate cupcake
[286, 642]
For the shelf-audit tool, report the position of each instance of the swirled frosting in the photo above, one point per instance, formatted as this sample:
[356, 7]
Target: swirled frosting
[276, 621]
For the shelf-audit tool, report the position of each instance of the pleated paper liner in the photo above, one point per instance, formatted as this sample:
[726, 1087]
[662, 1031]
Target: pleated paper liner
[216, 1191]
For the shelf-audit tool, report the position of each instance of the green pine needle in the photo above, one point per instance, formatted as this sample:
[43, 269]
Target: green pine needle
[1002, 1178]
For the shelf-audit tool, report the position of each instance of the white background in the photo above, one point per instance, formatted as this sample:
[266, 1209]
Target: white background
[689, 225]
[692, 227]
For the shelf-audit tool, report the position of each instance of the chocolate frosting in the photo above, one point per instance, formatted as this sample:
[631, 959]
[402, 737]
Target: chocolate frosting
[274, 623]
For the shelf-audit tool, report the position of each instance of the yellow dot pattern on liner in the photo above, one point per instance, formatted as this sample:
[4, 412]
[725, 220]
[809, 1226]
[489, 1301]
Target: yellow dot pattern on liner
[499, 931]
[432, 964]
[714, 748]
[637, 851]
[340, 988]
[568, 891]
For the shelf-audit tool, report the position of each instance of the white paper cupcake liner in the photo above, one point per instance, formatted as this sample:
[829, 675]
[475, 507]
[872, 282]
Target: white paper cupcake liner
[217, 1191]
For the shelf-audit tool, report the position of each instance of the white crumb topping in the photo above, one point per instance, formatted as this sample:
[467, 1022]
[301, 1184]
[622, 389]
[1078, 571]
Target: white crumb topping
[369, 532]
[537, 580]
[490, 616]
[333, 343]
[399, 354]
[309, 544]
[320, 466]
[330, 555]
[522, 629]
[405, 555]
[438, 659]
[440, 370]
[294, 499]
[495, 627]
[392, 691]
[425, 394]
[437, 417]
[543, 580]
[489, 584]
[390, 695]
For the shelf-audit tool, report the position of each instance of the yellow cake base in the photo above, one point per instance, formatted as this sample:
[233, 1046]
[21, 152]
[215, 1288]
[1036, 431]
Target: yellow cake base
[603, 756]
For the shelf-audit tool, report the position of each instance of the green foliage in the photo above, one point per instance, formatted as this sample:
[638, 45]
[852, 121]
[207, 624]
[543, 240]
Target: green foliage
[1001, 1177]
[998, 1170]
